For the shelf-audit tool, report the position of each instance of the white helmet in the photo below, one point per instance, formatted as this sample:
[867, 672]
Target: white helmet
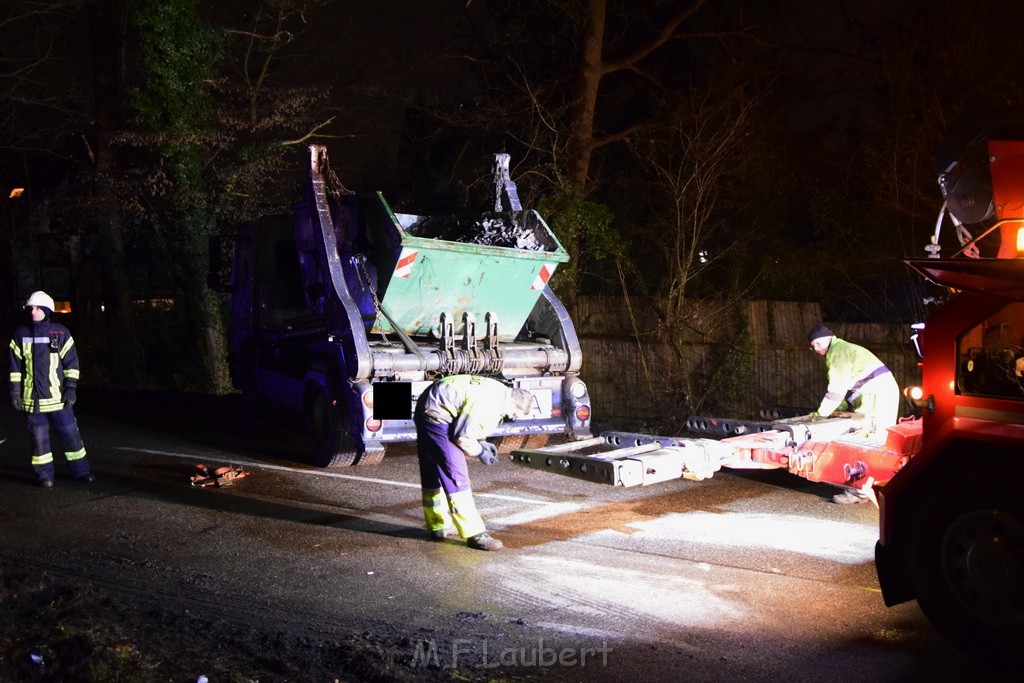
[42, 300]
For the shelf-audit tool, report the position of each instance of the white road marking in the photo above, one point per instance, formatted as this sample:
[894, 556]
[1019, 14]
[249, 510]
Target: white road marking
[338, 475]
[527, 516]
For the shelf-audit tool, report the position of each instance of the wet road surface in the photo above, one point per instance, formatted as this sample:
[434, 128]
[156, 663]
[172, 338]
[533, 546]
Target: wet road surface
[747, 576]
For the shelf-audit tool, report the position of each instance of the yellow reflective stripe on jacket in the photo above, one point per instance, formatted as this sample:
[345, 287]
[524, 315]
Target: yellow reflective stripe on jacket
[54, 376]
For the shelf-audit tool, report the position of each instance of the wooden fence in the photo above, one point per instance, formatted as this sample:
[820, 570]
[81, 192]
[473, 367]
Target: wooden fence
[638, 378]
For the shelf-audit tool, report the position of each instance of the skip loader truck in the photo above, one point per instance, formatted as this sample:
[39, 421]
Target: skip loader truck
[344, 311]
[949, 484]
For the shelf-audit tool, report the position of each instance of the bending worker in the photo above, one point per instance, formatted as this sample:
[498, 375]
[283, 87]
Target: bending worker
[453, 417]
[855, 375]
[44, 378]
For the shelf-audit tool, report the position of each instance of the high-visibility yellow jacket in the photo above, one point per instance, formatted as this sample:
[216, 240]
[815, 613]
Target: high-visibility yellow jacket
[473, 405]
[44, 365]
[856, 375]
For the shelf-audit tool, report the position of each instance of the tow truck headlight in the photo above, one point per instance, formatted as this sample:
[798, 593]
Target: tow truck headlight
[916, 396]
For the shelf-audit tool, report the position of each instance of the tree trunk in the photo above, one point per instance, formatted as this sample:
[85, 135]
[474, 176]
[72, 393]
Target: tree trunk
[585, 89]
[122, 353]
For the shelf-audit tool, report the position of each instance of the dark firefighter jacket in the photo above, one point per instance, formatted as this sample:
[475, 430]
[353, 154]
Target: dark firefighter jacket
[44, 364]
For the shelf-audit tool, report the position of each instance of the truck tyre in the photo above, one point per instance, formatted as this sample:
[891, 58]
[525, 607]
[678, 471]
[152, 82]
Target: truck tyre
[333, 444]
[371, 456]
[966, 561]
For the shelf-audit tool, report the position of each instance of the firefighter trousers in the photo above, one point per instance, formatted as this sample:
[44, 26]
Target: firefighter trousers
[67, 428]
[444, 478]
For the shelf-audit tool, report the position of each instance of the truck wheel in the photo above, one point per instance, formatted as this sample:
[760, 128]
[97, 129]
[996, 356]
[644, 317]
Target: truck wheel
[333, 444]
[967, 564]
[371, 456]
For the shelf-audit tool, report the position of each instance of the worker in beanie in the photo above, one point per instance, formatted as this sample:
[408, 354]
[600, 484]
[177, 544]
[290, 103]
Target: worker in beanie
[44, 379]
[453, 417]
[856, 376]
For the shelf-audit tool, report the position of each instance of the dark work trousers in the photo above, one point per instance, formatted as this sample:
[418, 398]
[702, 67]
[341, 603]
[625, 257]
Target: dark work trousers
[444, 478]
[67, 427]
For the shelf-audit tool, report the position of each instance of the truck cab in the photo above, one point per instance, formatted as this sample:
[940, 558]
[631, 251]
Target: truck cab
[951, 530]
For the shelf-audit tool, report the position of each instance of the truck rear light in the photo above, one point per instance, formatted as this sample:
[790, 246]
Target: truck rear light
[583, 413]
[368, 399]
[578, 389]
[374, 425]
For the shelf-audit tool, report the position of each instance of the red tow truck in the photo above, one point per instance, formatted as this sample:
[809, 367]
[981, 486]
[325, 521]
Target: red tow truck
[948, 484]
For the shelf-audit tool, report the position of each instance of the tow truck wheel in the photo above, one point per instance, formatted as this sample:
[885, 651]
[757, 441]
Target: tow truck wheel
[333, 444]
[967, 564]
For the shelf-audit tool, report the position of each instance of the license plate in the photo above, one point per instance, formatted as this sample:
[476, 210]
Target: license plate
[541, 404]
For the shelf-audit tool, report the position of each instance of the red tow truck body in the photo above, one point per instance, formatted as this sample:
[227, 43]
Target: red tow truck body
[951, 528]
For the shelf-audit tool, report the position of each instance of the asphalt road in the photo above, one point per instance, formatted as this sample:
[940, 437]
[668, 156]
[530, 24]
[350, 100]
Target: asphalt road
[746, 576]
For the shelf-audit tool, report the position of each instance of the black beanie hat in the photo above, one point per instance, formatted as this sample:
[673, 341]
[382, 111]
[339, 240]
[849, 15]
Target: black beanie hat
[818, 332]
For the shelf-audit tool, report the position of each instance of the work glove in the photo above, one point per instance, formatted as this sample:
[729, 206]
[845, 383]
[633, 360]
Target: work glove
[70, 396]
[488, 453]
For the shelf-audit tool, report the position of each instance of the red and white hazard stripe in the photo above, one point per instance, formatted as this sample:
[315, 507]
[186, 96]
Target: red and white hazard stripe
[405, 260]
[541, 281]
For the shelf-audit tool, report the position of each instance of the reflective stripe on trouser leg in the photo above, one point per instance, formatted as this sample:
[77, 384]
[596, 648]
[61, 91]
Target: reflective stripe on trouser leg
[67, 426]
[467, 519]
[435, 509]
[44, 459]
[42, 465]
[39, 431]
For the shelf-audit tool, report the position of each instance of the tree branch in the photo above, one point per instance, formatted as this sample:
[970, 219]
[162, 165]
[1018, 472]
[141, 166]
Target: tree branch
[309, 134]
[666, 34]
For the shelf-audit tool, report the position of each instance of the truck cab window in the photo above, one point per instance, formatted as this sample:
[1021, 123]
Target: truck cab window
[991, 355]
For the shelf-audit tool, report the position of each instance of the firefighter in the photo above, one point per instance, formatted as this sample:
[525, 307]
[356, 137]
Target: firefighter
[44, 377]
[453, 417]
[856, 376]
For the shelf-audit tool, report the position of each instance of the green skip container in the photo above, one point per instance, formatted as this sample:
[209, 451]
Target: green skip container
[496, 263]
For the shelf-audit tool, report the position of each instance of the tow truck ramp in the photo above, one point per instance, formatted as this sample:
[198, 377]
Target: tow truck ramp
[835, 450]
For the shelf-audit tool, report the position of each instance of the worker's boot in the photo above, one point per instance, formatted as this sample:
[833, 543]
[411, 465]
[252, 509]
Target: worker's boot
[484, 541]
[849, 497]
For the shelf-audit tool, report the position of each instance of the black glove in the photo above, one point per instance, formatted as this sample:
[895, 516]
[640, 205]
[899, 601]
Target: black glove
[16, 401]
[70, 396]
[488, 453]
